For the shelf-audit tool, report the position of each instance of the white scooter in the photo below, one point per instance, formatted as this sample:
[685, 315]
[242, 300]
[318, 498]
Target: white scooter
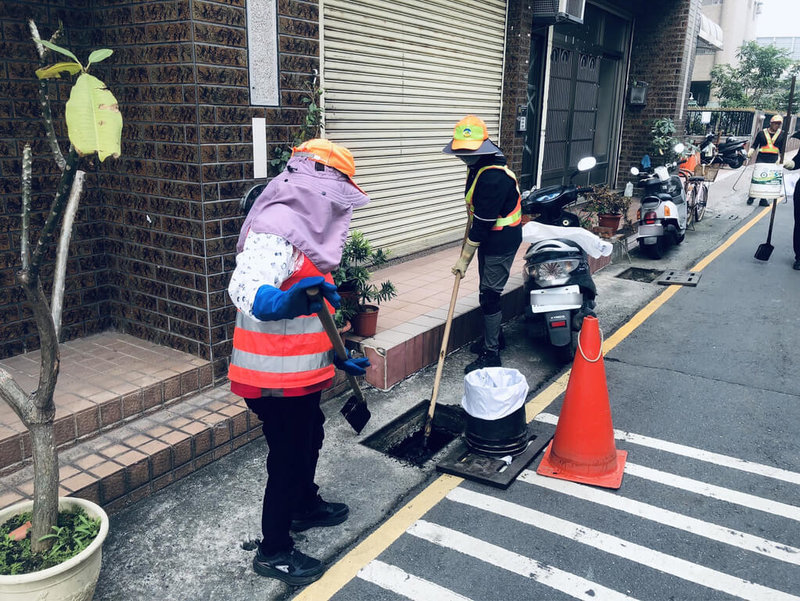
[662, 216]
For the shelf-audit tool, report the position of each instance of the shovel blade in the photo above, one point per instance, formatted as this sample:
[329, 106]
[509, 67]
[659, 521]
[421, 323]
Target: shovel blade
[356, 413]
[764, 251]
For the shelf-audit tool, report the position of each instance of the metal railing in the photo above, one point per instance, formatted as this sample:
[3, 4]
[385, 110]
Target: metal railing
[724, 122]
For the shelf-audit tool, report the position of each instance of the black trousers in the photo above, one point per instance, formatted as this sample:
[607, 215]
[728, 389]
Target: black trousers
[796, 234]
[293, 428]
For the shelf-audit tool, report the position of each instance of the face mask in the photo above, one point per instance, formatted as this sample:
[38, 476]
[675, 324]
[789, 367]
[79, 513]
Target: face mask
[469, 160]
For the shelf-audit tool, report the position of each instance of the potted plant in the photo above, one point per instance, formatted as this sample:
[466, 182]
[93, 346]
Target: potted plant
[352, 278]
[50, 547]
[609, 206]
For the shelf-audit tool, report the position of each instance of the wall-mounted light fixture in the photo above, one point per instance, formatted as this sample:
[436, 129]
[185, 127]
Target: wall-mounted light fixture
[638, 93]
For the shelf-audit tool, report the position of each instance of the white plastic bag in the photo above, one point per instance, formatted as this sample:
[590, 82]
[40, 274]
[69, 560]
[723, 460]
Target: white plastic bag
[493, 392]
[594, 245]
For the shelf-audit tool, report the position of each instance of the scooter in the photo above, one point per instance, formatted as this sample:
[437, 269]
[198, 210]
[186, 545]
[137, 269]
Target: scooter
[556, 275]
[662, 216]
[731, 152]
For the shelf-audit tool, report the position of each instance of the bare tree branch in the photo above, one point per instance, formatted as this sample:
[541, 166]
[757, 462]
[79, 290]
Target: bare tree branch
[13, 394]
[27, 170]
[44, 99]
[57, 304]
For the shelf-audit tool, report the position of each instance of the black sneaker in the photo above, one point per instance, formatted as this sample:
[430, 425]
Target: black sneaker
[485, 359]
[323, 514]
[763, 202]
[292, 567]
[750, 200]
[477, 347]
[796, 265]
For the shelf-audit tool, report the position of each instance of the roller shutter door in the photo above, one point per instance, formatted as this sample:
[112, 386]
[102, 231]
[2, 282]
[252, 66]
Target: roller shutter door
[397, 75]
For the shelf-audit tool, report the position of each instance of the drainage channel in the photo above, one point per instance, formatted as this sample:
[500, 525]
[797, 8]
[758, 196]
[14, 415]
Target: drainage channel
[638, 274]
[402, 438]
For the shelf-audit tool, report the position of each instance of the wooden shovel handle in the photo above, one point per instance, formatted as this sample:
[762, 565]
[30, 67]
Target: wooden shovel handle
[335, 338]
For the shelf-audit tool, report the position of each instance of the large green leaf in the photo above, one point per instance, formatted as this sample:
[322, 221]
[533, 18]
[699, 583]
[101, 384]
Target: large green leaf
[94, 123]
[52, 71]
[63, 51]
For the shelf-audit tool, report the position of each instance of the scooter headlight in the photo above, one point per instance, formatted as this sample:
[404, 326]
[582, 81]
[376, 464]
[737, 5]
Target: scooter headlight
[553, 272]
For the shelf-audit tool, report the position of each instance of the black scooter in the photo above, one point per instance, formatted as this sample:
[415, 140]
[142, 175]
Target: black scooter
[556, 275]
[731, 152]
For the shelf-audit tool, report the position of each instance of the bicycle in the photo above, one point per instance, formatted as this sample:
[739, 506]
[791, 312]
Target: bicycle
[695, 188]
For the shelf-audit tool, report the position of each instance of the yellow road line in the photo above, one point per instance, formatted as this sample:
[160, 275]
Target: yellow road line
[344, 570]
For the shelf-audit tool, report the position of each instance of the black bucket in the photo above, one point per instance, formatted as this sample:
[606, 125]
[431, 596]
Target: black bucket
[497, 437]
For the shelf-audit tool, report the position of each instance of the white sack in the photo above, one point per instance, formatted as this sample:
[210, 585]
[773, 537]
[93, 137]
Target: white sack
[594, 245]
[493, 392]
[790, 181]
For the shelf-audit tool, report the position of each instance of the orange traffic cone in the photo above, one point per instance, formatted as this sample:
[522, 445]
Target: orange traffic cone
[583, 449]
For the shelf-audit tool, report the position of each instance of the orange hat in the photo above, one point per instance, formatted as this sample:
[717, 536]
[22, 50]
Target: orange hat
[470, 136]
[330, 154]
[776, 119]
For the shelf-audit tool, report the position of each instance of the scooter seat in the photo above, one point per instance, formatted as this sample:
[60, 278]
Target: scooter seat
[697, 178]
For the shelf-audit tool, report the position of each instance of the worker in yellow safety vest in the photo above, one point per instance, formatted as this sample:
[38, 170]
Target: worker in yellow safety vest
[770, 144]
[495, 232]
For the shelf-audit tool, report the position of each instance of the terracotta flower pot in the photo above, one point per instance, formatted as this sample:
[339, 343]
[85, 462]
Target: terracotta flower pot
[608, 220]
[365, 322]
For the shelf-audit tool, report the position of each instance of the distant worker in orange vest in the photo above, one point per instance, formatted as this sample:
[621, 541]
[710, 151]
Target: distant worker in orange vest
[282, 359]
[770, 143]
[495, 212]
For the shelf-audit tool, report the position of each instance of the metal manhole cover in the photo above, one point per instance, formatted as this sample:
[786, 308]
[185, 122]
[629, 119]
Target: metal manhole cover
[680, 278]
[637, 274]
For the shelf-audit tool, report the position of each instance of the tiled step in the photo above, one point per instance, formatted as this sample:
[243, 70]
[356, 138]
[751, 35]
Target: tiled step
[105, 380]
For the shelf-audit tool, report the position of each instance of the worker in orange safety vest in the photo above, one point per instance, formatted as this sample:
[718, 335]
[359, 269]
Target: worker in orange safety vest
[770, 144]
[494, 211]
[282, 358]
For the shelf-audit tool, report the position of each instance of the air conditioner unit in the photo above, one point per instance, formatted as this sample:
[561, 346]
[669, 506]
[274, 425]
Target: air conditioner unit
[554, 11]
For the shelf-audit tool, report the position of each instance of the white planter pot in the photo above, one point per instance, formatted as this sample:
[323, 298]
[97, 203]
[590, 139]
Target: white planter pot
[73, 580]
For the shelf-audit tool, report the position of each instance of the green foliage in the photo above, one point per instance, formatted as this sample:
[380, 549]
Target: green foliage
[353, 273]
[309, 129]
[75, 531]
[663, 140]
[760, 80]
[605, 201]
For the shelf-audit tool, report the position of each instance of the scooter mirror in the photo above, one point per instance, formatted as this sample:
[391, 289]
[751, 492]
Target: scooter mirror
[679, 148]
[634, 171]
[587, 163]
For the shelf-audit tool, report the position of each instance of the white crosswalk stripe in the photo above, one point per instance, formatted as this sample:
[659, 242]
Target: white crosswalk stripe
[675, 566]
[723, 534]
[401, 582]
[695, 453]
[575, 586]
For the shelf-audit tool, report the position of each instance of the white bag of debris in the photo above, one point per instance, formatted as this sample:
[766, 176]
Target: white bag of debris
[493, 392]
[594, 245]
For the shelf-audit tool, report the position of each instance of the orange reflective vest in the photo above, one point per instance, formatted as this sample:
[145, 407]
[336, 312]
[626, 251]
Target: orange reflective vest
[770, 148]
[285, 353]
[514, 217]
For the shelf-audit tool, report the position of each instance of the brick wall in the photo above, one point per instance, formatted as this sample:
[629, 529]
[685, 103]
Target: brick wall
[662, 55]
[85, 304]
[155, 240]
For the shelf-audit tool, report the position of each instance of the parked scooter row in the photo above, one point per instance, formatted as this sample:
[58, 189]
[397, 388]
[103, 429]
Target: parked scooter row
[556, 275]
[731, 152]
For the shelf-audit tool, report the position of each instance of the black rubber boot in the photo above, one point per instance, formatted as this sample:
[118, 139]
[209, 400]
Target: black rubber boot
[485, 359]
[796, 265]
[763, 202]
[323, 514]
[292, 567]
[750, 200]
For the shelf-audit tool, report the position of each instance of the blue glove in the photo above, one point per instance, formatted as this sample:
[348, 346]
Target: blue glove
[353, 367]
[273, 303]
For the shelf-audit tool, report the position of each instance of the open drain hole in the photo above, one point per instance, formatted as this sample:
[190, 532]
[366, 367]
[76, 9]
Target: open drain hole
[638, 274]
[402, 438]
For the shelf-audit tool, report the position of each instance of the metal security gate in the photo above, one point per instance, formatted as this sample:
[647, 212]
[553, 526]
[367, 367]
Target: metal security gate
[397, 76]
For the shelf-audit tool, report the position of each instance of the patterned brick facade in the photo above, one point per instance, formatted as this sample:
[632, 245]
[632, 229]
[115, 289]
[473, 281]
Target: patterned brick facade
[154, 241]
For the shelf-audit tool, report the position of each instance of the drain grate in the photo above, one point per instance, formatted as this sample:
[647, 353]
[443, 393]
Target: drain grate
[637, 274]
[680, 278]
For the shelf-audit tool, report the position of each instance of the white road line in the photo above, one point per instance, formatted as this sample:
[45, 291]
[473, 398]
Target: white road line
[567, 583]
[409, 586]
[680, 568]
[722, 534]
[715, 492]
[695, 453]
